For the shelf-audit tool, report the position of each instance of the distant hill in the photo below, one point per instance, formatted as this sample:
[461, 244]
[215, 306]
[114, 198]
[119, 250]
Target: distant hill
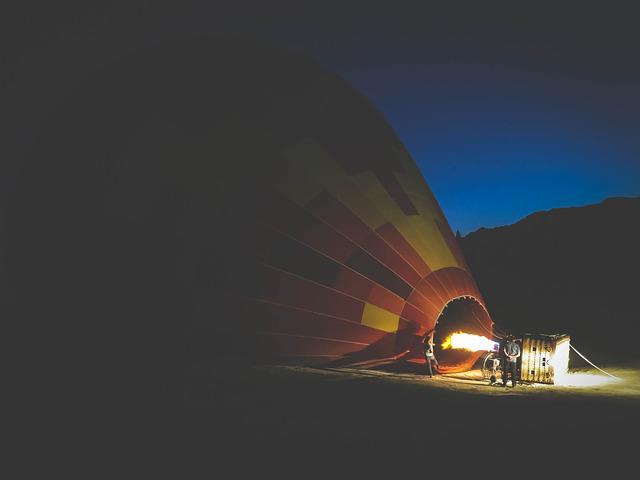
[567, 270]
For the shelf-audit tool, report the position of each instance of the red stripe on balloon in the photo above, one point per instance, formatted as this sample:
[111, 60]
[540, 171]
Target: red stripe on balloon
[383, 298]
[390, 258]
[276, 318]
[336, 214]
[301, 225]
[296, 291]
[394, 238]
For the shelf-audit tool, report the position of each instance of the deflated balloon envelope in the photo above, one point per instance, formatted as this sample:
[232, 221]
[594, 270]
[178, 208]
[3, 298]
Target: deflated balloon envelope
[213, 198]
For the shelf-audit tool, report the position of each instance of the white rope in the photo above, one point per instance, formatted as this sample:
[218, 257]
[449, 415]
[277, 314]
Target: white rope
[590, 363]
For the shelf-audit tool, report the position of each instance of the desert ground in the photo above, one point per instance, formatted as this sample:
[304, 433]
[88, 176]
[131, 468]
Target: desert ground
[395, 419]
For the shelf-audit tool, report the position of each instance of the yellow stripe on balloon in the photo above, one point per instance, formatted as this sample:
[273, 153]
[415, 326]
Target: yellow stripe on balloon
[379, 318]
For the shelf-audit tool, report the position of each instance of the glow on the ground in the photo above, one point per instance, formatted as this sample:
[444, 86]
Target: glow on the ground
[564, 378]
[582, 379]
[470, 342]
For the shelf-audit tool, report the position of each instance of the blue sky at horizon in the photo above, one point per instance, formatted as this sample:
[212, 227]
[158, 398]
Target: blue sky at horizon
[505, 116]
[495, 148]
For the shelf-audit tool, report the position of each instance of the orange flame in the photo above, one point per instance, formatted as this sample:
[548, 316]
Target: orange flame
[469, 342]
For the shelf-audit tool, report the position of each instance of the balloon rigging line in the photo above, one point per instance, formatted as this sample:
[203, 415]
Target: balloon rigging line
[591, 363]
[295, 307]
[346, 294]
[377, 234]
[355, 271]
[485, 328]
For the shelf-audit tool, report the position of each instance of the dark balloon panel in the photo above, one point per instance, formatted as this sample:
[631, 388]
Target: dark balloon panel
[215, 198]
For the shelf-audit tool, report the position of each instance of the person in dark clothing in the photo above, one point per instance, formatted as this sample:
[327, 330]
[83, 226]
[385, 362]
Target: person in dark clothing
[428, 353]
[511, 352]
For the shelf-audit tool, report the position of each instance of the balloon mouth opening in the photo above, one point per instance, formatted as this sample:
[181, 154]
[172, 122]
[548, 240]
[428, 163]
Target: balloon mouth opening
[461, 315]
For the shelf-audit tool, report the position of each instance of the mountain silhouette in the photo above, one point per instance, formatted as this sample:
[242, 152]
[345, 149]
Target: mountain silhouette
[566, 270]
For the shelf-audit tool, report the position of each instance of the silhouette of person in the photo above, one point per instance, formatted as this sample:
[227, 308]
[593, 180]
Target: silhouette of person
[428, 354]
[511, 352]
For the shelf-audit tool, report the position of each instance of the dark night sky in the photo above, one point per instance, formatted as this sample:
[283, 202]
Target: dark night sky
[506, 111]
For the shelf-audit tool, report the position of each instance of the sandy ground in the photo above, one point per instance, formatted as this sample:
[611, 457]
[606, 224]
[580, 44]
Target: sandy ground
[399, 420]
[579, 383]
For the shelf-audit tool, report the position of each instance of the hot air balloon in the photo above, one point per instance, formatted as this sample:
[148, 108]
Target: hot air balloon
[214, 198]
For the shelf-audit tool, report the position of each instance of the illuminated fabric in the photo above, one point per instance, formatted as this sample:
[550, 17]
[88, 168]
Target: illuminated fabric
[243, 195]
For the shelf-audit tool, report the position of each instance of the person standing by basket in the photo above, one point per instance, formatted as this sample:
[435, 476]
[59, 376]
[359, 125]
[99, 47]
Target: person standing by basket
[511, 352]
[428, 354]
